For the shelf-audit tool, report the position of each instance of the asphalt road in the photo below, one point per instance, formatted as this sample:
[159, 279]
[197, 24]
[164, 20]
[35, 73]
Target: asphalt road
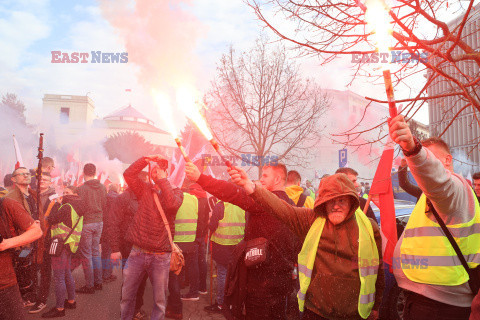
[105, 304]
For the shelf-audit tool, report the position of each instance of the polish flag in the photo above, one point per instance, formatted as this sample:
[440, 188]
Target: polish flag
[18, 155]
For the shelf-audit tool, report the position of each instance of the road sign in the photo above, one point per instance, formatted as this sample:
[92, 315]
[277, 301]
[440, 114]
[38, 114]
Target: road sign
[342, 158]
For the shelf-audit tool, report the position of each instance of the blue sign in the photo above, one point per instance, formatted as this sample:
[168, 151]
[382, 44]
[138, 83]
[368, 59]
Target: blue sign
[342, 158]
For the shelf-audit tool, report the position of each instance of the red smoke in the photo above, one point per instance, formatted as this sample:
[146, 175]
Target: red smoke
[160, 37]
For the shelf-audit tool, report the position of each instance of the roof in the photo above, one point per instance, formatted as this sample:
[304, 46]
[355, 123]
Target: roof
[132, 125]
[128, 111]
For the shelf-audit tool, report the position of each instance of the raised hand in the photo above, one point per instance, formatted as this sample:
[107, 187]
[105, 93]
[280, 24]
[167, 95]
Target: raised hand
[191, 171]
[240, 178]
[400, 133]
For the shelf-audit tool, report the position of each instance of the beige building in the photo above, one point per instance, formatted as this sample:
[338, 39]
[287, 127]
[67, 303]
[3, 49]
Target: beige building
[73, 113]
[72, 119]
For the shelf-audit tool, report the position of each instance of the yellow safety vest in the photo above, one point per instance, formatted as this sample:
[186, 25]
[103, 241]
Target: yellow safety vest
[367, 256]
[61, 230]
[428, 257]
[231, 229]
[186, 219]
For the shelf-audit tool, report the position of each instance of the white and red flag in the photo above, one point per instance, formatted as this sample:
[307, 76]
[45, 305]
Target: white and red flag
[18, 155]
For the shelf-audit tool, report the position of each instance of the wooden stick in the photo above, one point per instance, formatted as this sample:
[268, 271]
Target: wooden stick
[211, 272]
[367, 204]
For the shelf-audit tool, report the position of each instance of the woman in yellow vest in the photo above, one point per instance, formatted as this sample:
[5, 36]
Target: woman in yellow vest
[62, 218]
[340, 266]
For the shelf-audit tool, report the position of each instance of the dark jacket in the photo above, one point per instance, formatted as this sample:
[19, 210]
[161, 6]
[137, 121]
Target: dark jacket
[147, 230]
[275, 275]
[61, 213]
[406, 185]
[122, 211]
[335, 284]
[107, 216]
[30, 206]
[95, 196]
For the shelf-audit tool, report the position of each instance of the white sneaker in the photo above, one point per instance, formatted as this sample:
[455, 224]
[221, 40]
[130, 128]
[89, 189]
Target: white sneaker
[39, 306]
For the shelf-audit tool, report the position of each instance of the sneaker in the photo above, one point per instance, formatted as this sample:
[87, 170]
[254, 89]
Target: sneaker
[109, 279]
[70, 305]
[140, 315]
[85, 289]
[170, 315]
[27, 303]
[39, 306]
[216, 308]
[190, 297]
[203, 291]
[98, 286]
[54, 313]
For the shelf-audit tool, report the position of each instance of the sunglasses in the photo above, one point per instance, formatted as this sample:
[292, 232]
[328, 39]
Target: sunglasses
[26, 174]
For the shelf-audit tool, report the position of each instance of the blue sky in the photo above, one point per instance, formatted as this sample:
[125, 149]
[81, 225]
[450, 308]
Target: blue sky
[30, 30]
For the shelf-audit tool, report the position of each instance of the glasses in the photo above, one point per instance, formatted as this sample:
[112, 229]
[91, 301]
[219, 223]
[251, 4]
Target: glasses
[26, 174]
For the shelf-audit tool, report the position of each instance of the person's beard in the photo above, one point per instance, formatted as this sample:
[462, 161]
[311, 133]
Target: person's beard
[336, 217]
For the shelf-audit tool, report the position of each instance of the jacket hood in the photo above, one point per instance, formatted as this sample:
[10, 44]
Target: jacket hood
[94, 183]
[294, 190]
[332, 187]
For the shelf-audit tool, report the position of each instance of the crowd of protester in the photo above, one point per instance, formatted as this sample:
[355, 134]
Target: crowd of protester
[280, 250]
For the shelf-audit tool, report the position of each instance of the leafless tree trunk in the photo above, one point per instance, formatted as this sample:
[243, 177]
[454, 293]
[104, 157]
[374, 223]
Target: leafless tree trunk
[259, 105]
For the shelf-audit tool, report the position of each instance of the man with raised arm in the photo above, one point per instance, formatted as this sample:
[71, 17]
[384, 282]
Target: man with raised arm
[425, 263]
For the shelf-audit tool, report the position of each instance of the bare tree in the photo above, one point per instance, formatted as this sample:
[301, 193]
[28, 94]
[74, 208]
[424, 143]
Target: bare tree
[11, 101]
[260, 106]
[128, 146]
[440, 50]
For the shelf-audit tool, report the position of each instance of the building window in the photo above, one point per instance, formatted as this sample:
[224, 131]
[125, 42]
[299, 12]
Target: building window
[64, 115]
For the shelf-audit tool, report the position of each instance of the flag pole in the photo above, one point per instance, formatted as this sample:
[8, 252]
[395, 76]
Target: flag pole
[367, 204]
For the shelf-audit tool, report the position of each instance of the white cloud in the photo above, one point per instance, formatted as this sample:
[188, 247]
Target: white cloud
[18, 32]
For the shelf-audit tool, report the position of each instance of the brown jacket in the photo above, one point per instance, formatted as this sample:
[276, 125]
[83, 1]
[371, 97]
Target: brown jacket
[18, 196]
[334, 289]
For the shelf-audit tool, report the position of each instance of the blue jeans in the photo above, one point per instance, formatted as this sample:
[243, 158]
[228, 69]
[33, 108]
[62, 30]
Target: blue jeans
[221, 278]
[63, 279]
[90, 250]
[139, 263]
[107, 265]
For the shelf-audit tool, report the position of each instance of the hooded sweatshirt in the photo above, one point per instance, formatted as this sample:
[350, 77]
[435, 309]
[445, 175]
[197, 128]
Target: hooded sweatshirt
[95, 196]
[294, 192]
[335, 286]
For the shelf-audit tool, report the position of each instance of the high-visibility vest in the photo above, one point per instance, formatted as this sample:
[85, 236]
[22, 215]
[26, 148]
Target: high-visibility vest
[368, 262]
[231, 229]
[186, 219]
[428, 257]
[61, 230]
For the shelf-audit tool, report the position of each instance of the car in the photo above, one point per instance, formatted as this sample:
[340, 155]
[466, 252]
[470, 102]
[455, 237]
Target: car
[394, 297]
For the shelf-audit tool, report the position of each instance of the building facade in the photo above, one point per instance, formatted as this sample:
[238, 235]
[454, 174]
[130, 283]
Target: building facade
[71, 120]
[463, 134]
